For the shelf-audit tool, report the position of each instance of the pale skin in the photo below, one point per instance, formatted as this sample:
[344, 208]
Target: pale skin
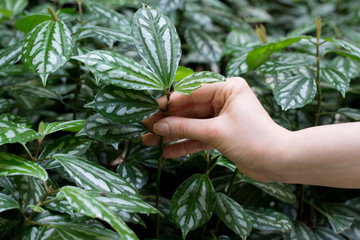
[228, 116]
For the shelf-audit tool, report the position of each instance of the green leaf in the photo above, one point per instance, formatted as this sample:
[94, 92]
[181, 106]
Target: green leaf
[193, 203]
[90, 175]
[59, 205]
[351, 113]
[237, 66]
[322, 233]
[352, 51]
[7, 203]
[337, 79]
[40, 233]
[223, 161]
[340, 223]
[32, 91]
[72, 126]
[205, 44]
[300, 232]
[14, 120]
[133, 173]
[107, 131]
[295, 92]
[12, 165]
[10, 55]
[280, 191]
[124, 105]
[73, 231]
[158, 43]
[17, 135]
[233, 215]
[84, 203]
[269, 219]
[194, 81]
[6, 104]
[28, 23]
[348, 67]
[5, 183]
[259, 55]
[14, 6]
[47, 48]
[182, 72]
[122, 202]
[120, 71]
[274, 66]
[30, 190]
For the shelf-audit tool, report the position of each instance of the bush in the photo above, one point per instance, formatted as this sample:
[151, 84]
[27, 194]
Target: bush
[77, 79]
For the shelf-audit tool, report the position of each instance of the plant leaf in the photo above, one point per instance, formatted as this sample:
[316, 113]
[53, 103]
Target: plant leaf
[300, 232]
[28, 23]
[107, 35]
[340, 223]
[72, 126]
[47, 48]
[194, 81]
[350, 113]
[157, 42]
[237, 66]
[124, 105]
[295, 92]
[59, 205]
[336, 79]
[182, 72]
[7, 203]
[120, 71]
[107, 131]
[14, 6]
[40, 233]
[73, 231]
[14, 120]
[275, 189]
[274, 66]
[10, 55]
[133, 173]
[17, 134]
[322, 233]
[12, 165]
[92, 176]
[269, 219]
[353, 51]
[193, 203]
[233, 215]
[30, 190]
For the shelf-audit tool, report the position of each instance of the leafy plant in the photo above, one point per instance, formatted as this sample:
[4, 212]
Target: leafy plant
[86, 75]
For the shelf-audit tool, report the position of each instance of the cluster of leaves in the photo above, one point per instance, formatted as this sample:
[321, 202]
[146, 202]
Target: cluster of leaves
[96, 70]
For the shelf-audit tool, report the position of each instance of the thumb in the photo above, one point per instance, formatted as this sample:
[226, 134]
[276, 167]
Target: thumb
[180, 127]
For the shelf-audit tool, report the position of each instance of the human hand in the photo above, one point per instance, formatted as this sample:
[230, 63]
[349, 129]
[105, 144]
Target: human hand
[226, 116]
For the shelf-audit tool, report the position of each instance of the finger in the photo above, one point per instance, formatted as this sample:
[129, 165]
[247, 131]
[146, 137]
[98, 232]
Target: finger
[151, 139]
[185, 147]
[193, 111]
[149, 122]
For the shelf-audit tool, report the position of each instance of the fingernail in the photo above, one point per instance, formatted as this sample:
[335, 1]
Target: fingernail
[162, 129]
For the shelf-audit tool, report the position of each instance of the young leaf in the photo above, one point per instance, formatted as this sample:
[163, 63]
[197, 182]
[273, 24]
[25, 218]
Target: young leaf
[17, 134]
[193, 203]
[107, 131]
[233, 215]
[352, 51]
[182, 72]
[300, 232]
[157, 42]
[28, 23]
[295, 92]
[205, 44]
[124, 105]
[120, 71]
[107, 35]
[7, 203]
[72, 126]
[133, 173]
[30, 190]
[337, 79]
[268, 219]
[47, 48]
[340, 223]
[194, 81]
[92, 176]
[275, 189]
[73, 231]
[10, 55]
[323, 233]
[84, 203]
[12, 165]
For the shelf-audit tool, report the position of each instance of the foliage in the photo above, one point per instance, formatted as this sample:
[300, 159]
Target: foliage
[77, 78]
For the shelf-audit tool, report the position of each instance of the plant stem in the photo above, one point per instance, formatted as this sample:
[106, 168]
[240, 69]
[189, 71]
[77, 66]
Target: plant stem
[53, 14]
[77, 91]
[319, 94]
[27, 150]
[317, 208]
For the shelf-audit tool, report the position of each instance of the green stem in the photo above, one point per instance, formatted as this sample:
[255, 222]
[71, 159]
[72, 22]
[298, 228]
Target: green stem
[317, 208]
[318, 89]
[27, 150]
[77, 91]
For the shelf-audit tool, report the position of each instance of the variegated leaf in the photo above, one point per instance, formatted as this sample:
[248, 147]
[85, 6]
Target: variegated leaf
[59, 205]
[340, 223]
[350, 113]
[233, 215]
[124, 105]
[14, 6]
[6, 104]
[353, 50]
[47, 48]
[7, 184]
[348, 67]
[278, 190]
[84, 203]
[73, 231]
[237, 66]
[157, 42]
[336, 79]
[14, 120]
[17, 134]
[223, 161]
[322, 233]
[300, 232]
[30, 190]
[273, 66]
[10, 55]
[40, 233]
[204, 43]
[120, 71]
[123, 202]
[12, 165]
[295, 92]
[72, 126]
[107, 131]
[134, 174]
[269, 219]
[7, 203]
[90, 175]
[194, 81]
[32, 92]
[170, 5]
[193, 203]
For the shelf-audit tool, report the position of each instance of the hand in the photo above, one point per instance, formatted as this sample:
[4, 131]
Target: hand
[226, 116]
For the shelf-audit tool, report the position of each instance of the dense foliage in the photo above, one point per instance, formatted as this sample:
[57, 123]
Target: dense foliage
[78, 77]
